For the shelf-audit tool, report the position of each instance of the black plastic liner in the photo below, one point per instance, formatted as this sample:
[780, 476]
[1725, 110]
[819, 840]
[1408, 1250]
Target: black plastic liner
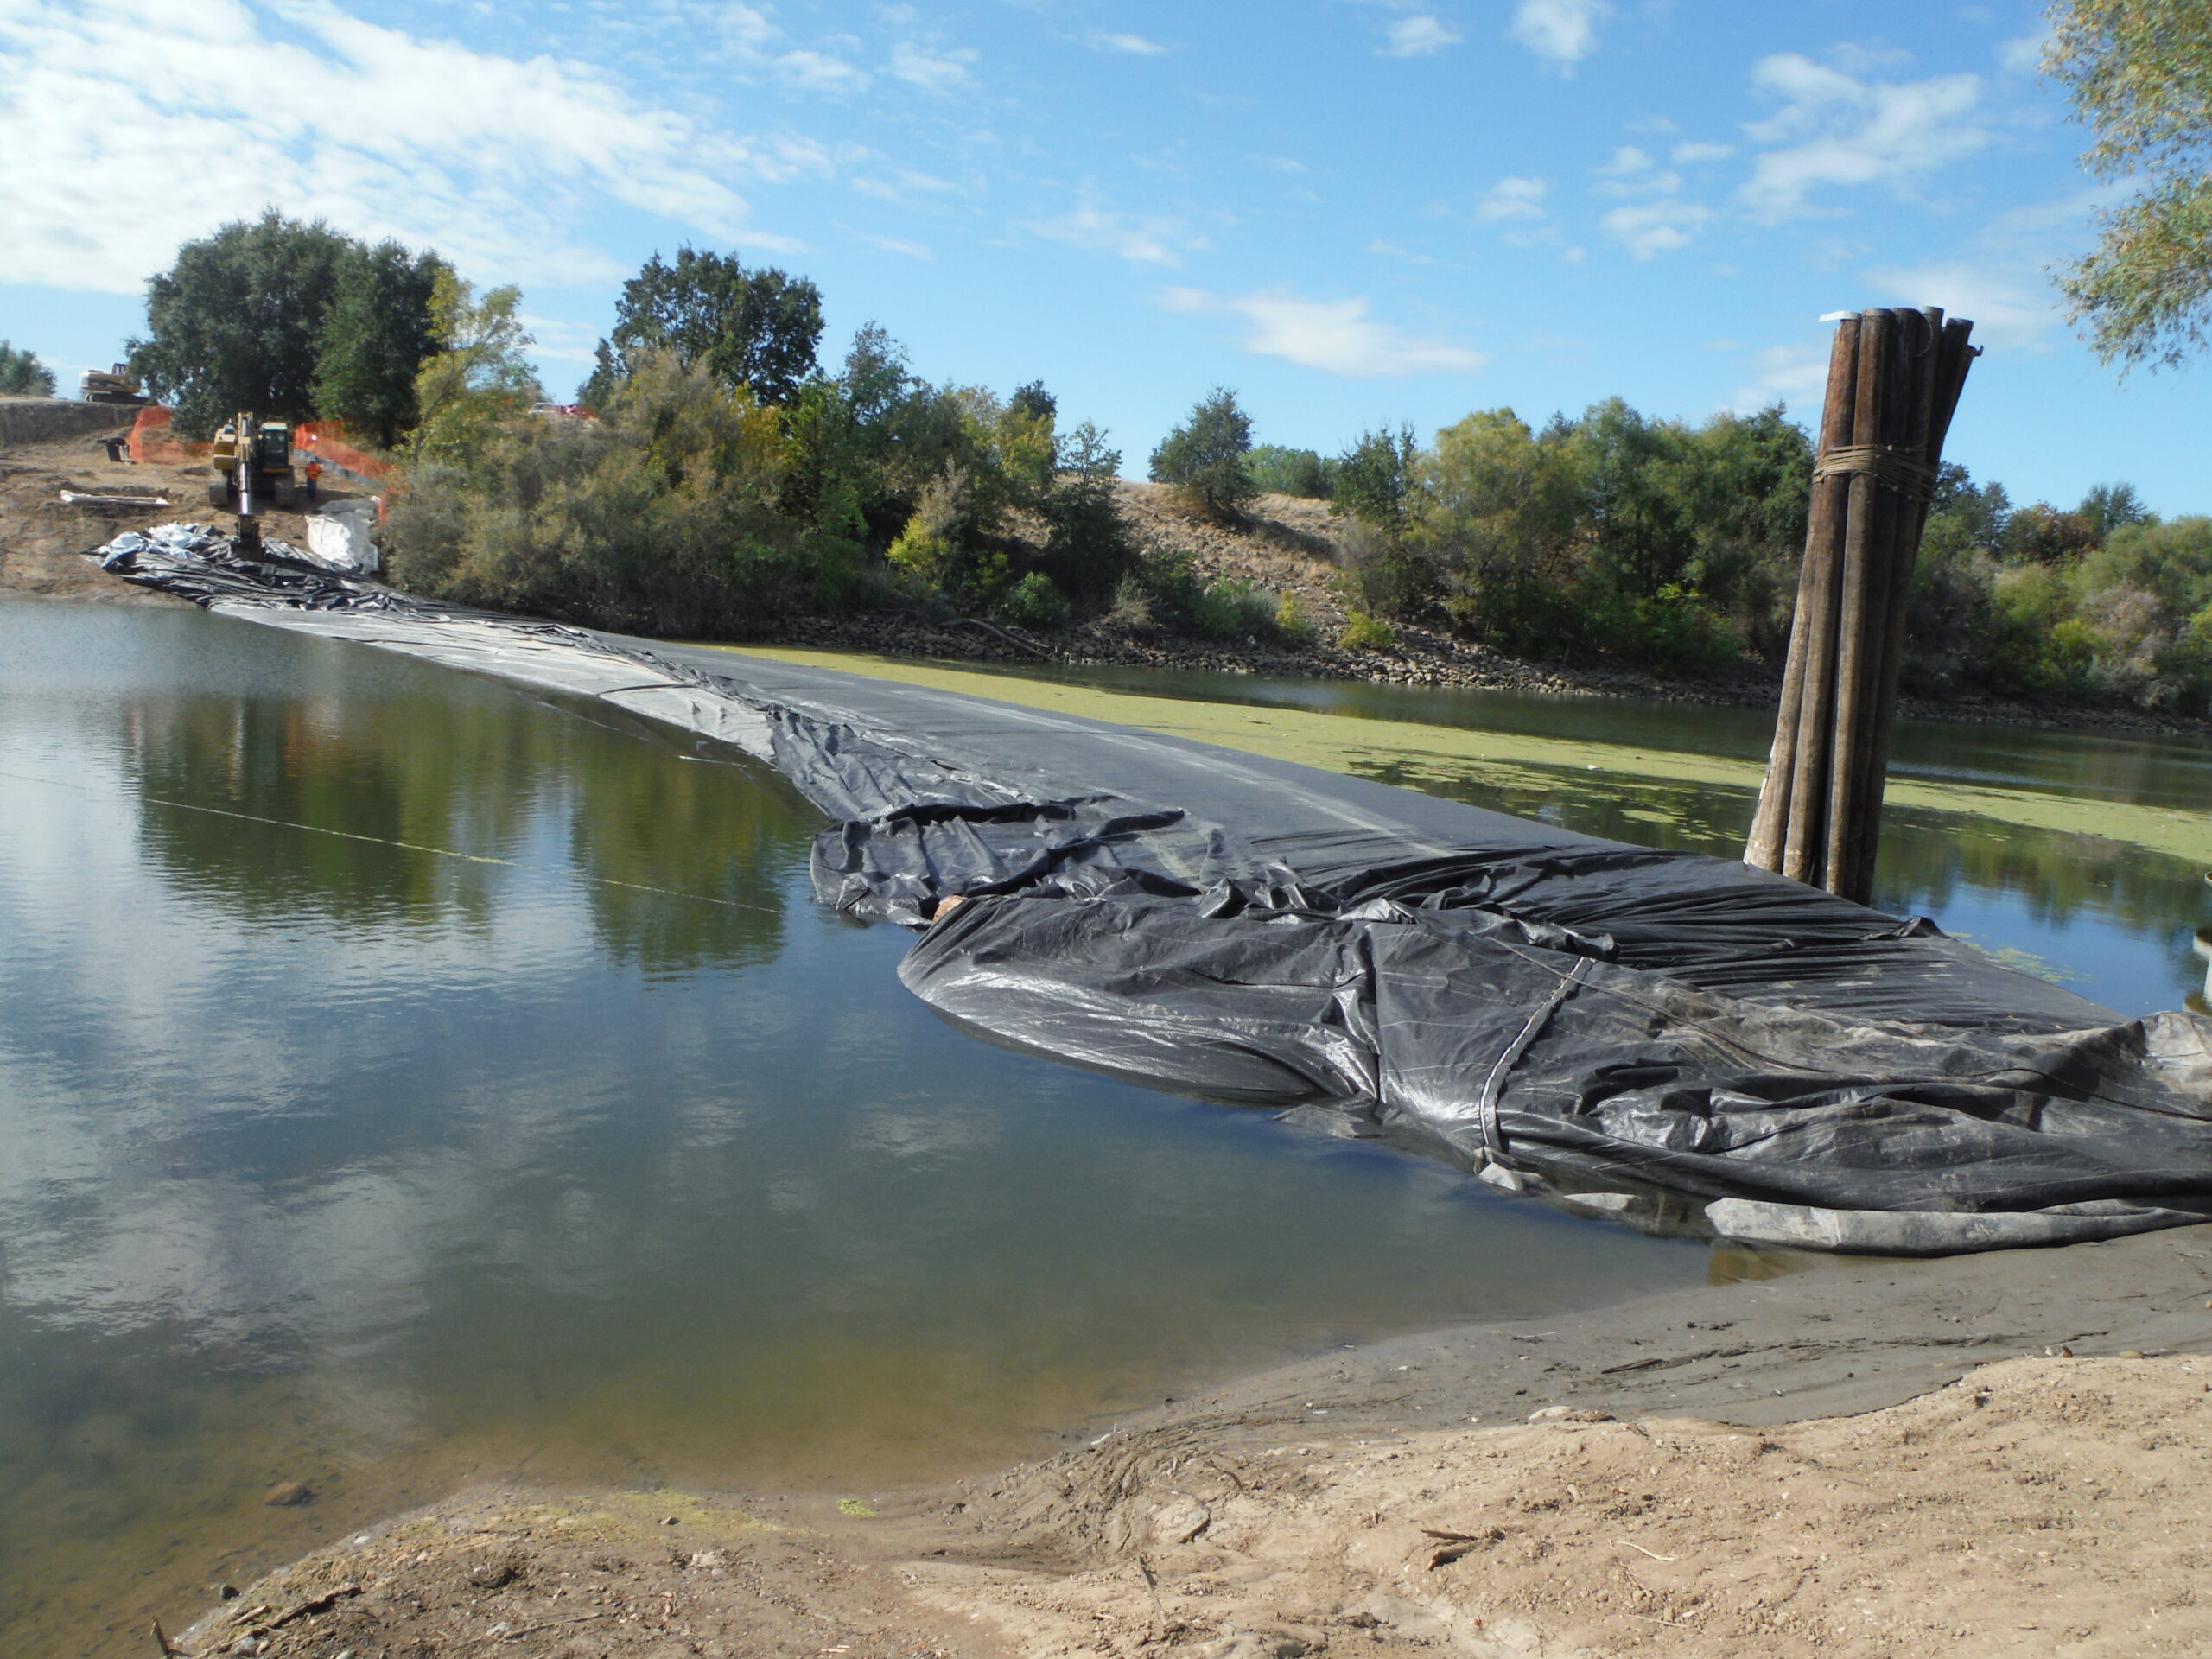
[1679, 1041]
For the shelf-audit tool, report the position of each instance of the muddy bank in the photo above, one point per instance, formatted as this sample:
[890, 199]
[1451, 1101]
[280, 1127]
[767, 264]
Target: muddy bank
[1859, 1457]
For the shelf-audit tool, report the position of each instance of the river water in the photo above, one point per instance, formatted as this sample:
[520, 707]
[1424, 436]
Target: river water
[406, 1081]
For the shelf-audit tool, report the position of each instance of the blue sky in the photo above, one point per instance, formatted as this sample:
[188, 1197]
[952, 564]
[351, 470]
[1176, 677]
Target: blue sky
[1353, 212]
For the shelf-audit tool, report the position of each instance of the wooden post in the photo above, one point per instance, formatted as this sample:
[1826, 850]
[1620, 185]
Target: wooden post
[1894, 379]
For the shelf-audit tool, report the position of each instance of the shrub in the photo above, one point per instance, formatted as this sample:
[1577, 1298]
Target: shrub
[1034, 603]
[1292, 625]
[659, 519]
[1203, 458]
[1088, 548]
[1363, 631]
[1290, 471]
[1374, 476]
[23, 375]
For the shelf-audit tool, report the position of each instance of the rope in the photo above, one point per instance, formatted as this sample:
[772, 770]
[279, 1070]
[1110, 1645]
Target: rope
[1891, 468]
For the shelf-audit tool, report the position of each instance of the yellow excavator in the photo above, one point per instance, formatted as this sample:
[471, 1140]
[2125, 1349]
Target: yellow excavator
[253, 462]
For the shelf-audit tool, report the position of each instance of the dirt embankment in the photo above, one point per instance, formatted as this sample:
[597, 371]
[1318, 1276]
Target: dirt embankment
[2005, 1454]
[41, 535]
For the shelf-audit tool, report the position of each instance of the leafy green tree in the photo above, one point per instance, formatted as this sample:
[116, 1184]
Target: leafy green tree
[1495, 512]
[1291, 471]
[479, 375]
[1035, 401]
[758, 329]
[1638, 479]
[21, 375]
[1203, 458]
[237, 322]
[1373, 476]
[2114, 507]
[1088, 548]
[661, 517]
[2141, 74]
[377, 335]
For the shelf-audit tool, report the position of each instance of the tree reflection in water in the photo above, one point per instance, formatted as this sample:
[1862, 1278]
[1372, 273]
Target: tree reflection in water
[680, 861]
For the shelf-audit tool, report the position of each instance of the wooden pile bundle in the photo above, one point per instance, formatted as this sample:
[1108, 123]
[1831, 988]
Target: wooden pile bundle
[1894, 379]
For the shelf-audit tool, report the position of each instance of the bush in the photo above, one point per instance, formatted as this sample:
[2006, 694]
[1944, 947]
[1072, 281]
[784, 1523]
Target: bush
[1275, 470]
[1203, 458]
[658, 518]
[1292, 625]
[1373, 477]
[1088, 548]
[1034, 603]
[1363, 631]
[21, 374]
[1166, 590]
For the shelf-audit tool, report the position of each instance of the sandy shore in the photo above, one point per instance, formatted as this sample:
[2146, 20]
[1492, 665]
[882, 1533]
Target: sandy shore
[2013, 1452]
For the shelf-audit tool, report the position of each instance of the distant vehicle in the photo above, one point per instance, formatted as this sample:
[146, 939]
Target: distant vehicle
[268, 462]
[109, 386]
[563, 411]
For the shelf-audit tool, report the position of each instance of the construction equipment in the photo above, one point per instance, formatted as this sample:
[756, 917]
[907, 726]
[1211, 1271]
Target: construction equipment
[252, 463]
[109, 386]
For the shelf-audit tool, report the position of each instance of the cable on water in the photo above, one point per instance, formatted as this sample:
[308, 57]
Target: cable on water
[406, 846]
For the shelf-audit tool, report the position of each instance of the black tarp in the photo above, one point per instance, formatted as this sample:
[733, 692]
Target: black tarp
[1677, 1041]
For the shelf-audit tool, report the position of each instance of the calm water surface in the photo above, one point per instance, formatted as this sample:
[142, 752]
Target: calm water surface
[404, 1080]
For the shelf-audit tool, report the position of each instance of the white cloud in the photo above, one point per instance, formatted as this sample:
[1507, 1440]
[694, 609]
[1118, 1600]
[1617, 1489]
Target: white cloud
[1689, 154]
[936, 69]
[1787, 374]
[2023, 56]
[1420, 35]
[1511, 199]
[1834, 128]
[1135, 45]
[1393, 251]
[895, 244]
[1655, 227]
[818, 72]
[1627, 161]
[1335, 336]
[1141, 240]
[1565, 31]
[128, 131]
[2009, 313]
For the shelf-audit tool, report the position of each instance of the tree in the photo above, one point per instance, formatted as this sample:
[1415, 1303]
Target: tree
[21, 375]
[1089, 549]
[2141, 74]
[478, 376]
[1373, 476]
[1035, 401]
[237, 322]
[1203, 458]
[1280, 471]
[375, 339]
[757, 330]
[2112, 506]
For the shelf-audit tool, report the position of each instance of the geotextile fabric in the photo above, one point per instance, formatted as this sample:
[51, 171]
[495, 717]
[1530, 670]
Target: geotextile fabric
[1677, 1041]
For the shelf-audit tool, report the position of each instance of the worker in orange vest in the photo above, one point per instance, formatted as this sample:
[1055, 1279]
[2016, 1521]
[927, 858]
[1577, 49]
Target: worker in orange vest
[314, 473]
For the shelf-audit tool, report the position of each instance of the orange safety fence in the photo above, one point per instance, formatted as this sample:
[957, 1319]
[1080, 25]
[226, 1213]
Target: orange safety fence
[326, 440]
[151, 440]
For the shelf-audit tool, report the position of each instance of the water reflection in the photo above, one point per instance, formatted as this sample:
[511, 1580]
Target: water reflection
[326, 1158]
[229, 781]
